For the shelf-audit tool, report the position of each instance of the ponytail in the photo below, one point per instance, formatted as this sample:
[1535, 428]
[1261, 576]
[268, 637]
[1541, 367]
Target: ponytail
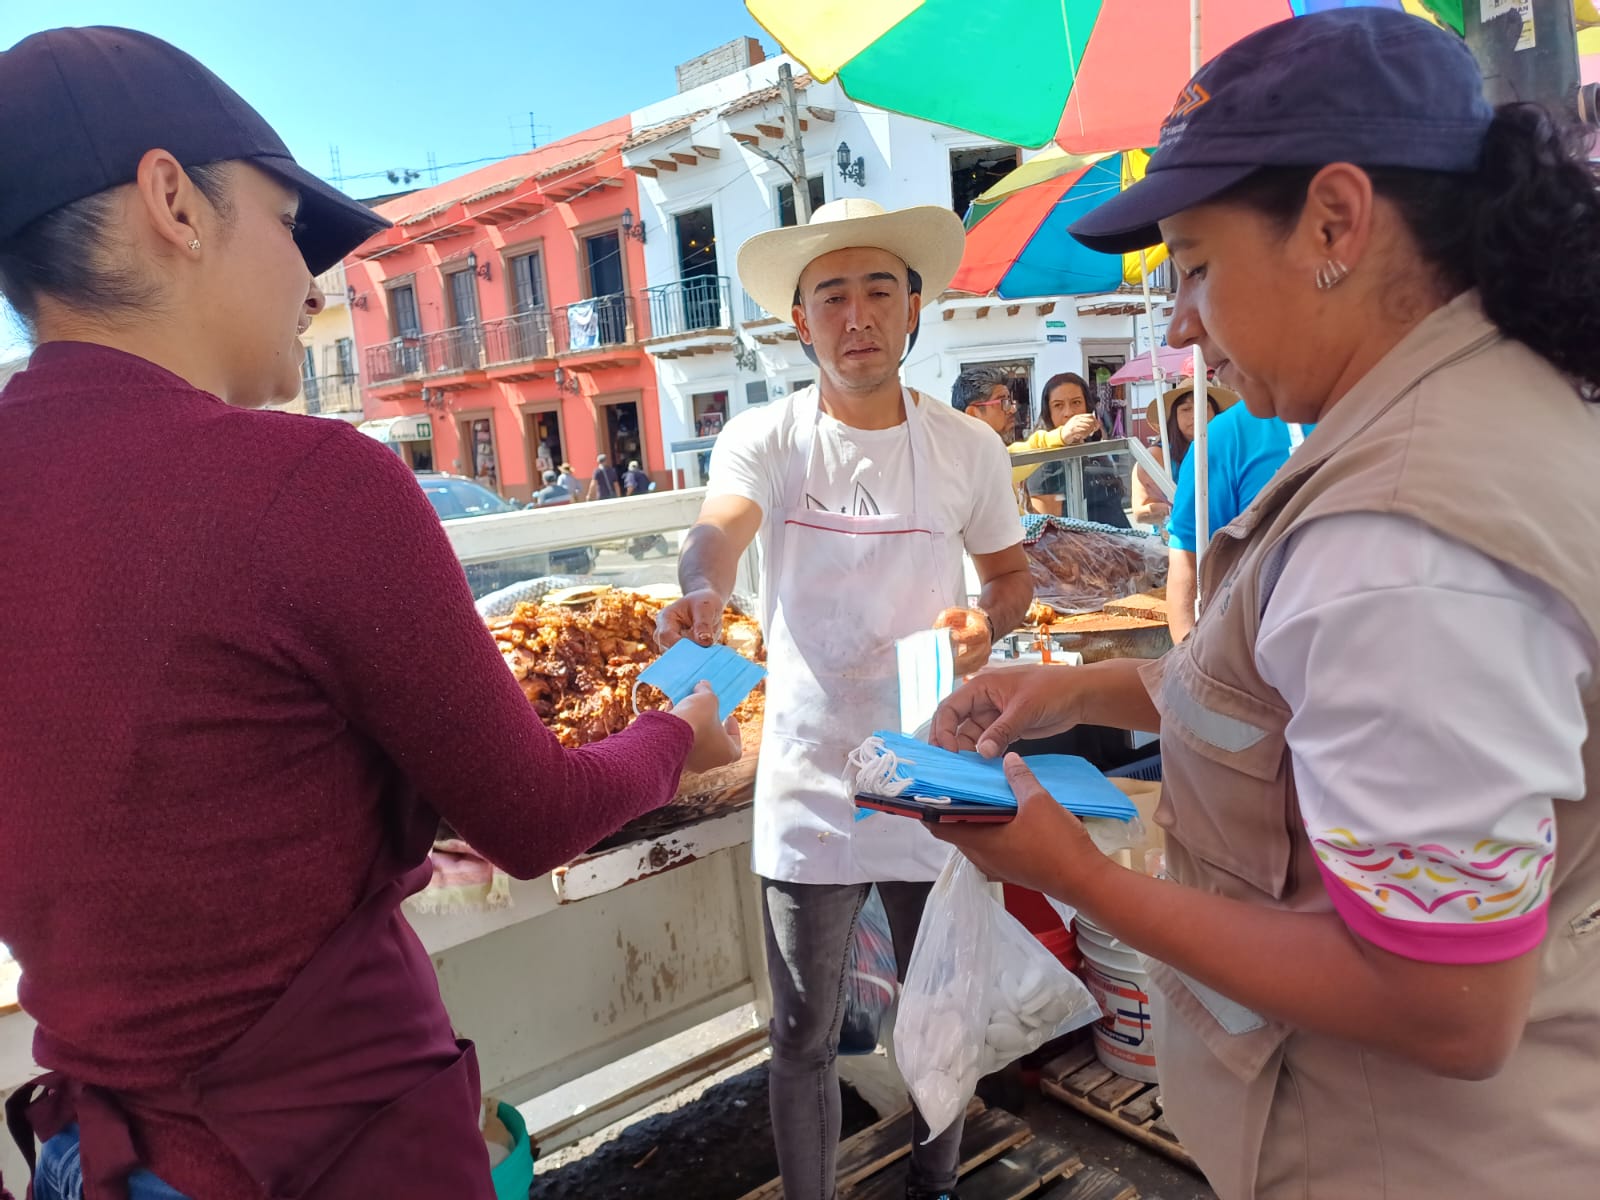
[1533, 240]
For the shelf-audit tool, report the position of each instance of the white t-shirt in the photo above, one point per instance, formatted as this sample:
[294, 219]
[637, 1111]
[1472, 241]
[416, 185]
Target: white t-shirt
[1438, 719]
[867, 472]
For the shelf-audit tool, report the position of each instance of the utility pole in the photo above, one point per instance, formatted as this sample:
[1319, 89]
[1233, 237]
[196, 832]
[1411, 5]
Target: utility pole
[1527, 49]
[797, 153]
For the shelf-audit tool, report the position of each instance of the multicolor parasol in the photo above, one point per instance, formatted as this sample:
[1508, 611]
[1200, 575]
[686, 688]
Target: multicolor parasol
[1017, 240]
[1094, 76]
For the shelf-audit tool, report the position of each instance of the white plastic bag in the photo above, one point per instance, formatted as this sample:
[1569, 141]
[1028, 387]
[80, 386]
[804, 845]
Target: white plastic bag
[981, 992]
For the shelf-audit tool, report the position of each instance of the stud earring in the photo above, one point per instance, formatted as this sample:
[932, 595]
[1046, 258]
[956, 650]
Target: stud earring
[1331, 274]
[194, 243]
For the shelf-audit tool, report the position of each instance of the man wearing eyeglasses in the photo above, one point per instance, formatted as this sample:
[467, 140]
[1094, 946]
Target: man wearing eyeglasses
[983, 393]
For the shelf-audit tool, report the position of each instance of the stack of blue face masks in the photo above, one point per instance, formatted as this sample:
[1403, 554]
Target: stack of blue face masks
[731, 676]
[907, 767]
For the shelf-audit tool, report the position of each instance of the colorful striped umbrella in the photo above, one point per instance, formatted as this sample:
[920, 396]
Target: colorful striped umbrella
[1017, 240]
[1095, 76]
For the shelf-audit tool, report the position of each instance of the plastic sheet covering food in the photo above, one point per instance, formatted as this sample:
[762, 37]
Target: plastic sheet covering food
[530, 591]
[1080, 566]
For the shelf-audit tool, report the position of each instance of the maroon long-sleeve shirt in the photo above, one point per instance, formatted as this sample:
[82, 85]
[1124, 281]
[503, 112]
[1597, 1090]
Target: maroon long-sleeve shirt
[228, 639]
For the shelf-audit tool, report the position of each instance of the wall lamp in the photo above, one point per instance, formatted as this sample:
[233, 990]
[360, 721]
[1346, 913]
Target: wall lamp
[744, 355]
[354, 298]
[567, 382]
[472, 265]
[629, 229]
[854, 172]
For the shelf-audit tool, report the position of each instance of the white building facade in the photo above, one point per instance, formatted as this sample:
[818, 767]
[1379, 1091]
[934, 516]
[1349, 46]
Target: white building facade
[706, 183]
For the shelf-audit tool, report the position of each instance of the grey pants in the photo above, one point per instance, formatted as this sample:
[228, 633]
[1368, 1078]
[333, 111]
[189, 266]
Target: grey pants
[809, 927]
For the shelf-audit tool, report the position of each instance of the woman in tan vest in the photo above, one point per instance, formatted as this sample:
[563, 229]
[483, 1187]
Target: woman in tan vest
[1377, 960]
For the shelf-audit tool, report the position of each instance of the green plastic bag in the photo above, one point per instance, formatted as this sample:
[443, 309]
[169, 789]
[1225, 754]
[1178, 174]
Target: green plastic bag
[513, 1178]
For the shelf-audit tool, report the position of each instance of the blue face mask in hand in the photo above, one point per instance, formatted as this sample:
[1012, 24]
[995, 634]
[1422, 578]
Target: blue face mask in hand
[731, 676]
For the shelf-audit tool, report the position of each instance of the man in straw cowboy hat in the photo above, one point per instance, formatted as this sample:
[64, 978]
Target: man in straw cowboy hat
[864, 495]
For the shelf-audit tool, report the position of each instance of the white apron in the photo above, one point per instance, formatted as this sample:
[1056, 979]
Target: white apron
[839, 591]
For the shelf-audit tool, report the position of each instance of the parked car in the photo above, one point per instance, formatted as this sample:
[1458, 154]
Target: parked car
[454, 497]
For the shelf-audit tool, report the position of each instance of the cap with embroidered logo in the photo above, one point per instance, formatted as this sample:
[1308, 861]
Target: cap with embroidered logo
[1368, 86]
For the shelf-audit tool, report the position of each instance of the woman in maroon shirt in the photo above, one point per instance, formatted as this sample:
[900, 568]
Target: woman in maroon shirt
[243, 677]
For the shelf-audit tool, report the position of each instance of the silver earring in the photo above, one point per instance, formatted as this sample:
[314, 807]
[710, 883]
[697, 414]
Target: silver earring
[1331, 274]
[194, 243]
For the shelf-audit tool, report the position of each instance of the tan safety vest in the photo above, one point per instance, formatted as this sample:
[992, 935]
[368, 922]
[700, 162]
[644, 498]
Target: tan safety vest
[1481, 439]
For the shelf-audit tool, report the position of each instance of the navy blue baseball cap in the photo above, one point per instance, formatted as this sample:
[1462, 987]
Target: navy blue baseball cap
[1368, 86]
[80, 107]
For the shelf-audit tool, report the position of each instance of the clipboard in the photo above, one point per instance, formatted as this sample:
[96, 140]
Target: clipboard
[937, 812]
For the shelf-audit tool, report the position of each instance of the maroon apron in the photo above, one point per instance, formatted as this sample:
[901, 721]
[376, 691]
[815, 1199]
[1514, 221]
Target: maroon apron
[351, 1084]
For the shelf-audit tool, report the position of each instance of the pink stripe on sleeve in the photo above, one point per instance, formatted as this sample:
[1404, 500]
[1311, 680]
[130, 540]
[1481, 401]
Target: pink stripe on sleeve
[1455, 942]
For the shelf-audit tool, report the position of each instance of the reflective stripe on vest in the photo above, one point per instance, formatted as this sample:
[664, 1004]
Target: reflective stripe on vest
[1217, 729]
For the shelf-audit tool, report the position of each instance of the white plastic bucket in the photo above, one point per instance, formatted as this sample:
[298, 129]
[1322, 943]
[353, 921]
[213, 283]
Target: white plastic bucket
[1124, 1037]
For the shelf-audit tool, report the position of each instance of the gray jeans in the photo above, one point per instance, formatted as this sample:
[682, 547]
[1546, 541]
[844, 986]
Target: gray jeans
[809, 927]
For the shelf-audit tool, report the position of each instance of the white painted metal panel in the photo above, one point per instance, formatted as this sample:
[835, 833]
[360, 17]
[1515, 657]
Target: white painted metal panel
[504, 535]
[551, 999]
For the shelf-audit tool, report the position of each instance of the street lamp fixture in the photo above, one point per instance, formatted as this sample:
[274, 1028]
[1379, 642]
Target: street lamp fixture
[354, 298]
[854, 172]
[629, 229]
[567, 382]
[472, 265]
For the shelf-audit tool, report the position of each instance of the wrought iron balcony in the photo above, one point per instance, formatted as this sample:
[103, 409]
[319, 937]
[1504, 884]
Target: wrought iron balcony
[398, 358]
[332, 394]
[444, 352]
[689, 306]
[521, 338]
[459, 348]
[593, 324]
[753, 312]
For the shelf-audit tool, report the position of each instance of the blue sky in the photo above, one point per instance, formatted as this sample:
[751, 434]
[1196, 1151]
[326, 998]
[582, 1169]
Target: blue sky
[389, 81]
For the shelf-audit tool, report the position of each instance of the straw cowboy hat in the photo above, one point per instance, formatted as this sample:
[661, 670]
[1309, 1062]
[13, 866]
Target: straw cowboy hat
[930, 240]
[1220, 396]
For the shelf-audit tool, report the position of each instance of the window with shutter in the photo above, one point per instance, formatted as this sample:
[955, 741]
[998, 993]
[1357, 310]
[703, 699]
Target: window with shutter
[527, 282]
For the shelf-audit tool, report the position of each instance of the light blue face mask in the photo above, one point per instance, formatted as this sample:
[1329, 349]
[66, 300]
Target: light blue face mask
[893, 764]
[731, 676]
[926, 661]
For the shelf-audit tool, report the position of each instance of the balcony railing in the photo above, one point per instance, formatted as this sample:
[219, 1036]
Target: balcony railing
[332, 393]
[689, 306]
[521, 338]
[592, 324]
[754, 313]
[588, 325]
[443, 352]
[399, 358]
[459, 348]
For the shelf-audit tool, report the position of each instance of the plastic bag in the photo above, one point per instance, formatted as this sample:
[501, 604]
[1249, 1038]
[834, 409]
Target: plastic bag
[870, 979]
[1079, 568]
[981, 992]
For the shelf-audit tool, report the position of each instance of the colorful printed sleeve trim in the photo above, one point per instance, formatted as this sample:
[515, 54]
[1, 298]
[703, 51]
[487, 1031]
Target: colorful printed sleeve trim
[1436, 904]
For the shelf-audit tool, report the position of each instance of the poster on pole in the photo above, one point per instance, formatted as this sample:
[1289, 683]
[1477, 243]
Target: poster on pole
[1492, 9]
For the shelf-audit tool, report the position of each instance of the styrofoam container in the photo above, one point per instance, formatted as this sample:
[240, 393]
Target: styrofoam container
[1124, 1038]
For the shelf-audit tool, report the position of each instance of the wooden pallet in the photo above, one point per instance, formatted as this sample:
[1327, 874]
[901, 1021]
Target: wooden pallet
[1133, 1109]
[1001, 1159]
